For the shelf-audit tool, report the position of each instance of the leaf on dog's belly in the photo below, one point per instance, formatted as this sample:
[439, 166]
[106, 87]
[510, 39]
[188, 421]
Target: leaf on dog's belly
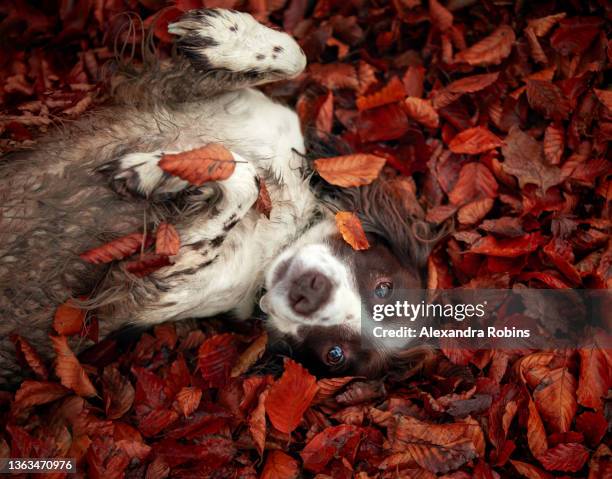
[167, 241]
[351, 230]
[350, 170]
[290, 396]
[263, 204]
[116, 249]
[212, 162]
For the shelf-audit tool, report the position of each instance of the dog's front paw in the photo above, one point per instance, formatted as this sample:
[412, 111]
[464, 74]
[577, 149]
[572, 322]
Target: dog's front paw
[217, 39]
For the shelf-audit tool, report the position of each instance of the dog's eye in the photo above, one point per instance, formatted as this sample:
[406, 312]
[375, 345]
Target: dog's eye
[335, 356]
[383, 289]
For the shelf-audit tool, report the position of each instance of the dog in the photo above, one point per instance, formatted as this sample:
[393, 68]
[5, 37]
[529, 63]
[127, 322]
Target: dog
[99, 179]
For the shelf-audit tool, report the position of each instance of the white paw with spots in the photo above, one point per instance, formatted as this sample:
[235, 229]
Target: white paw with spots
[235, 41]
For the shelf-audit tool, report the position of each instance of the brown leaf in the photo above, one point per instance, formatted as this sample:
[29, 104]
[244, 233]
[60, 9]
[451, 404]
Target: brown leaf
[115, 250]
[530, 471]
[167, 240]
[440, 16]
[212, 162]
[216, 358]
[490, 50]
[280, 466]
[296, 383]
[351, 230]
[392, 92]
[263, 204]
[324, 120]
[350, 170]
[605, 97]
[422, 111]
[474, 140]
[508, 248]
[250, 356]
[523, 158]
[188, 399]
[30, 355]
[555, 398]
[118, 393]
[332, 442]
[69, 370]
[68, 319]
[413, 81]
[334, 75]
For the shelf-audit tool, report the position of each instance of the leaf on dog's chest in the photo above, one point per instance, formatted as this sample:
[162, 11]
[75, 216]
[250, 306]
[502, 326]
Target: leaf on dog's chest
[167, 240]
[350, 170]
[263, 204]
[116, 249]
[212, 162]
[69, 369]
[146, 265]
[290, 396]
[351, 230]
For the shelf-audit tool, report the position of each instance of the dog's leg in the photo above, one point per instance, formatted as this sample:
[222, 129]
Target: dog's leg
[235, 50]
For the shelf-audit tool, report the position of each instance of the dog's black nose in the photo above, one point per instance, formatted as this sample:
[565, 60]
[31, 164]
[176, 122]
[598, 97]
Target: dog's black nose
[309, 292]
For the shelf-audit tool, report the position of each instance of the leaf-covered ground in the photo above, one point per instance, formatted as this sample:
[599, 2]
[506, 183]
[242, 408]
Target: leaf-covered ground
[493, 118]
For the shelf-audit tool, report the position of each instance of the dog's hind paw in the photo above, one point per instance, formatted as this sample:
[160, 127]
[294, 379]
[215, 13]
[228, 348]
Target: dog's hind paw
[226, 40]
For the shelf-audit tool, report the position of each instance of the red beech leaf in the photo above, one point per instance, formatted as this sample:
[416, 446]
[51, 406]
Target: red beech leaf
[350, 170]
[280, 466]
[324, 120]
[474, 140]
[574, 35]
[475, 182]
[188, 399]
[332, 442]
[564, 457]
[472, 83]
[508, 248]
[216, 358]
[387, 122]
[392, 92]
[530, 471]
[547, 98]
[156, 421]
[604, 96]
[422, 111]
[212, 162]
[297, 383]
[257, 423]
[536, 434]
[490, 50]
[147, 264]
[541, 26]
[68, 319]
[167, 241]
[250, 356]
[30, 356]
[118, 393]
[555, 399]
[474, 212]
[34, 393]
[351, 230]
[329, 387]
[263, 204]
[334, 75]
[115, 250]
[554, 144]
[413, 81]
[440, 16]
[595, 377]
[69, 370]
[593, 425]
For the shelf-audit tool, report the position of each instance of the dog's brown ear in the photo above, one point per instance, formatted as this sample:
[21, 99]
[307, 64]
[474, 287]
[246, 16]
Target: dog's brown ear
[407, 363]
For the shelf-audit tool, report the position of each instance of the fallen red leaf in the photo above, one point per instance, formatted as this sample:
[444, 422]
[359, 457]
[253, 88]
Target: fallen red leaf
[297, 383]
[351, 170]
[422, 111]
[490, 50]
[216, 357]
[116, 249]
[167, 241]
[564, 457]
[391, 93]
[474, 140]
[69, 370]
[68, 319]
[280, 466]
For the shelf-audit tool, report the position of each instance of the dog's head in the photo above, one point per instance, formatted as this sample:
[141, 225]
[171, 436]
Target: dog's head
[316, 288]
